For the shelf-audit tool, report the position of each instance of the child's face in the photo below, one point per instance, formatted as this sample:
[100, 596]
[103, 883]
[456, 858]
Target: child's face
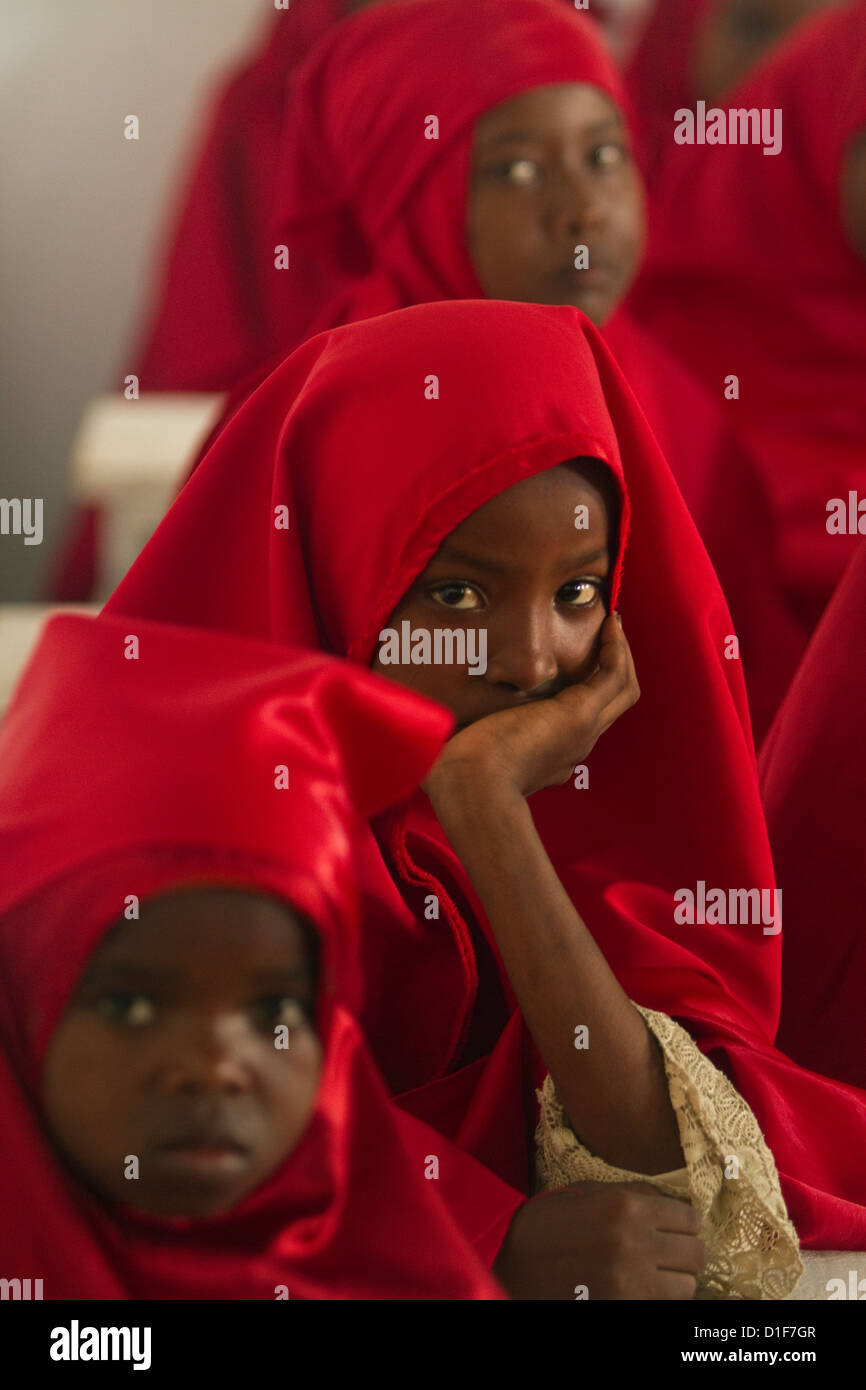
[520, 570]
[167, 1052]
[552, 171]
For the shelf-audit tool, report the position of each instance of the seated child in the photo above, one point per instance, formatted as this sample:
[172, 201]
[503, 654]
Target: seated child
[433, 468]
[188, 1108]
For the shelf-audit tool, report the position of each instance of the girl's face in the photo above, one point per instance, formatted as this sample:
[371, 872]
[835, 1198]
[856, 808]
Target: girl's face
[525, 572]
[168, 1053]
[553, 172]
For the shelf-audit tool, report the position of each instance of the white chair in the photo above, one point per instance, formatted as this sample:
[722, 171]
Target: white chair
[129, 458]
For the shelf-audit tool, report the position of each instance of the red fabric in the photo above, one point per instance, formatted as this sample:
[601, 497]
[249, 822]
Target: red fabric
[221, 305]
[749, 272]
[376, 476]
[658, 76]
[719, 480]
[157, 772]
[813, 778]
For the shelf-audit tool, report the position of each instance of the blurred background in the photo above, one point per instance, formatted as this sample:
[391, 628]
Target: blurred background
[83, 211]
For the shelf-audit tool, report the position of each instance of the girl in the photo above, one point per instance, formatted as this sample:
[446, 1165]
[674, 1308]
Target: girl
[813, 779]
[188, 1108]
[346, 498]
[529, 173]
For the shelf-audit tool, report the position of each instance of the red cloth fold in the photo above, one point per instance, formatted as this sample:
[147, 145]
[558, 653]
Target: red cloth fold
[375, 477]
[750, 273]
[158, 772]
[813, 779]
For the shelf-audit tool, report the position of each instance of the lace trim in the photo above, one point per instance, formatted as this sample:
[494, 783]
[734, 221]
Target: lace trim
[730, 1175]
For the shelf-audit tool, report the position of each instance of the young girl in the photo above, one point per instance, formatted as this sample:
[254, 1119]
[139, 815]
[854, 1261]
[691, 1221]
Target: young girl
[188, 1108]
[507, 174]
[813, 779]
[371, 455]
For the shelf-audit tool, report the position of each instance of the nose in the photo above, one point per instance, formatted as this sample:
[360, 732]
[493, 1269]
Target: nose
[206, 1056]
[522, 654]
[577, 206]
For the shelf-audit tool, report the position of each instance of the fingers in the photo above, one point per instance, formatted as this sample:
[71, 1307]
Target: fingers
[681, 1254]
[613, 686]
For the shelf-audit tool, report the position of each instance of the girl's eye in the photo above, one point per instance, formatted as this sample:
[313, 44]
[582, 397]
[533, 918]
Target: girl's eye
[580, 593]
[281, 1008]
[521, 173]
[461, 596]
[128, 1009]
[610, 156]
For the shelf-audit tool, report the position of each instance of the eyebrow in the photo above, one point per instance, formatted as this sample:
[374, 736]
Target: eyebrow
[450, 555]
[612, 122]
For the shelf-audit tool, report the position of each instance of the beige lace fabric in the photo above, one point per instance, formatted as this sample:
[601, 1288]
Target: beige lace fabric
[730, 1176]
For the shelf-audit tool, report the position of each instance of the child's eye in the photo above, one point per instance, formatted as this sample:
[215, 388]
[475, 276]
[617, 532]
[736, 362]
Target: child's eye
[128, 1009]
[280, 1009]
[580, 593]
[520, 173]
[610, 156]
[462, 596]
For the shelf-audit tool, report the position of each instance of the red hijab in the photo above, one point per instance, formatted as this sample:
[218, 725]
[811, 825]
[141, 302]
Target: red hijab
[375, 476]
[356, 165]
[750, 272]
[110, 781]
[813, 777]
[356, 169]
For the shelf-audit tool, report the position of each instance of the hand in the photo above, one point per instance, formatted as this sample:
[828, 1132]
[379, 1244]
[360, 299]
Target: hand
[539, 745]
[620, 1240]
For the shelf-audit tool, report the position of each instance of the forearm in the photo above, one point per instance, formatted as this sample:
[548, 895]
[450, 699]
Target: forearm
[614, 1090]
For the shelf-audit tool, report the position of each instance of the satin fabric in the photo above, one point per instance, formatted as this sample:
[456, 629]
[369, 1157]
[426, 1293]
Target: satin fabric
[376, 476]
[149, 774]
[750, 272]
[813, 779]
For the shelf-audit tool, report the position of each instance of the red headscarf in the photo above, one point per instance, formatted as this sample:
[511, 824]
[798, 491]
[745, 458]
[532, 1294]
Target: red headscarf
[357, 169]
[157, 772]
[356, 162]
[375, 475]
[750, 273]
[813, 777]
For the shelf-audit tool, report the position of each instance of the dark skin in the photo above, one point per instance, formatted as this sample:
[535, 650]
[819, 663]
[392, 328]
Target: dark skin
[735, 35]
[166, 1050]
[559, 673]
[552, 170]
[854, 194]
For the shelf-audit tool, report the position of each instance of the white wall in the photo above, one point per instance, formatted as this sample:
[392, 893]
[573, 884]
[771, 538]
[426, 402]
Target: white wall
[83, 210]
